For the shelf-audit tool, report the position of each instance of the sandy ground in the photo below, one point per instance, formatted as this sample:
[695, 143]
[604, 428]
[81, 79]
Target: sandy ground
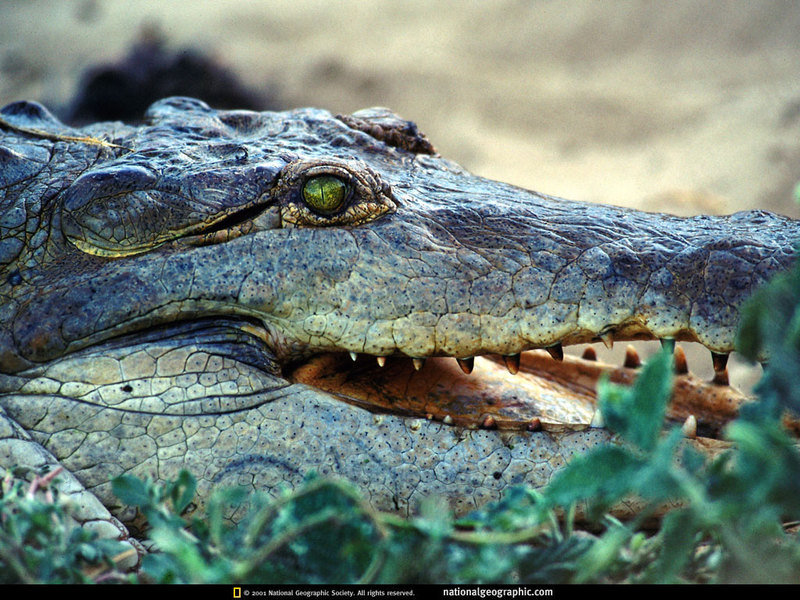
[681, 106]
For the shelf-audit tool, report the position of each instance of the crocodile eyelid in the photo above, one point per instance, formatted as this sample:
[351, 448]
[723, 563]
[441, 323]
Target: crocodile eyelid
[365, 197]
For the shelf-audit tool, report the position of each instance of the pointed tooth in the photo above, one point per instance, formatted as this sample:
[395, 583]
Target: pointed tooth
[488, 422]
[381, 360]
[418, 363]
[608, 340]
[589, 354]
[668, 344]
[512, 363]
[597, 419]
[557, 352]
[466, 364]
[689, 427]
[632, 360]
[720, 368]
[720, 361]
[721, 378]
[448, 420]
[353, 356]
[535, 424]
[681, 366]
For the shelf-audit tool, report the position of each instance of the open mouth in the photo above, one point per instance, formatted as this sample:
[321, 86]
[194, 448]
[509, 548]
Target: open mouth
[223, 364]
[487, 397]
[543, 394]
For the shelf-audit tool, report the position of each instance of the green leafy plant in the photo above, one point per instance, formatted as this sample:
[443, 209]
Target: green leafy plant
[727, 513]
[39, 543]
[322, 532]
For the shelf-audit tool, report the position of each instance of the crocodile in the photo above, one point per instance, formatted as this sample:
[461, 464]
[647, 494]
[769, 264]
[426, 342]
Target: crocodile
[257, 296]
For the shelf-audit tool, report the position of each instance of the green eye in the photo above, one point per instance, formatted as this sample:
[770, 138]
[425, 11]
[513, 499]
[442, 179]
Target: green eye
[325, 193]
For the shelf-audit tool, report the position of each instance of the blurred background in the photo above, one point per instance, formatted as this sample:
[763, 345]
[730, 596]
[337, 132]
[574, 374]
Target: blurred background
[681, 106]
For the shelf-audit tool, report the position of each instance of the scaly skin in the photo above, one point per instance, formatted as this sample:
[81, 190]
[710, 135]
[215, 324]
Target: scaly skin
[162, 284]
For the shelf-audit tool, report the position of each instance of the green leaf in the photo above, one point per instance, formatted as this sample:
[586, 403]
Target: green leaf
[677, 539]
[637, 413]
[182, 491]
[602, 554]
[131, 490]
[605, 476]
[520, 507]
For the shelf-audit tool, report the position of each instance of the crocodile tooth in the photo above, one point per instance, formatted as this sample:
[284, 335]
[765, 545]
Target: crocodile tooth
[597, 419]
[668, 344]
[721, 377]
[448, 420]
[353, 356]
[418, 363]
[720, 361]
[466, 364]
[720, 368]
[512, 363]
[608, 340]
[589, 354]
[681, 366]
[557, 352]
[381, 360]
[488, 422]
[632, 360]
[535, 424]
[689, 427]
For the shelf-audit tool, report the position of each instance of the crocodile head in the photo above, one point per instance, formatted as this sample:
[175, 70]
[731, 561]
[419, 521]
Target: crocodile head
[168, 285]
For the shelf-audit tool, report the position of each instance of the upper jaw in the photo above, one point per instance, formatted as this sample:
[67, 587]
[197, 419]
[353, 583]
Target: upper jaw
[220, 365]
[430, 280]
[462, 267]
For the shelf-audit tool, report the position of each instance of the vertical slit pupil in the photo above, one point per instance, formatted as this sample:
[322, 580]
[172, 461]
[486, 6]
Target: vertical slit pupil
[324, 193]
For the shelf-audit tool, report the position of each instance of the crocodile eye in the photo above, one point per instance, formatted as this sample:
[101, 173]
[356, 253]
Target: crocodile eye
[325, 193]
[316, 193]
